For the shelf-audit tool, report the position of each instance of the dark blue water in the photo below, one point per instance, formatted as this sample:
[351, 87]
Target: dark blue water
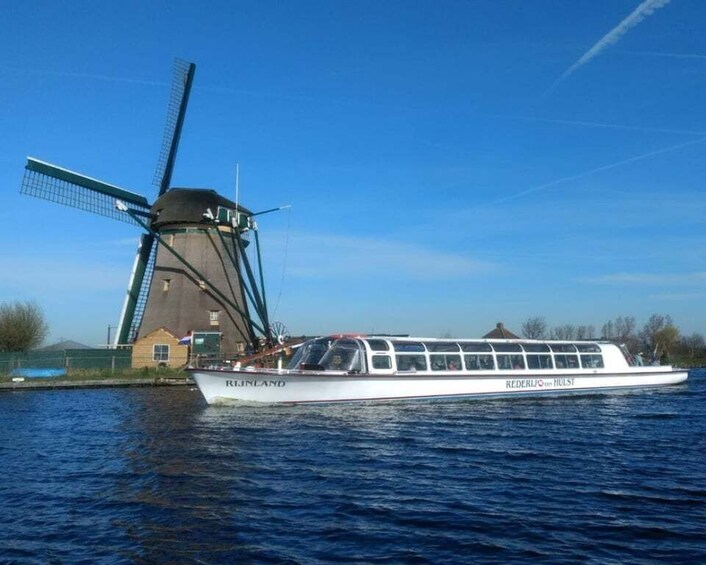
[154, 475]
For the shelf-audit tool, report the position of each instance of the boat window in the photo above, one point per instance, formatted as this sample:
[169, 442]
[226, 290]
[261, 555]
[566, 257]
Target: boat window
[445, 362]
[310, 353]
[378, 345]
[507, 347]
[510, 362]
[535, 347]
[411, 363]
[441, 346]
[410, 346]
[592, 361]
[344, 355]
[566, 361]
[629, 358]
[476, 347]
[588, 347]
[539, 362]
[563, 347]
[479, 362]
[382, 362]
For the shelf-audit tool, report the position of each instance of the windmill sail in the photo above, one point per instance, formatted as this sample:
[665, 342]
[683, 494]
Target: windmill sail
[196, 282]
[141, 278]
[183, 77]
[69, 188]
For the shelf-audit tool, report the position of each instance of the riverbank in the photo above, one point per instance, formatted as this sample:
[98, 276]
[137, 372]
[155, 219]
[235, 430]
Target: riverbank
[100, 379]
[124, 379]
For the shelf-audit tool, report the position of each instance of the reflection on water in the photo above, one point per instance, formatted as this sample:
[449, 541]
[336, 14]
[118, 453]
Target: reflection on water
[157, 475]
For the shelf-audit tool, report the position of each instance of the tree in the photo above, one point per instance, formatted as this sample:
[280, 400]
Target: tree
[585, 332]
[565, 332]
[659, 334]
[622, 330]
[667, 338]
[625, 328]
[693, 344]
[534, 328]
[22, 326]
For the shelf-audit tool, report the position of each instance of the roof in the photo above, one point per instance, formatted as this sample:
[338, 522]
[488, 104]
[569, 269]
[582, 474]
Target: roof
[161, 329]
[188, 205]
[500, 332]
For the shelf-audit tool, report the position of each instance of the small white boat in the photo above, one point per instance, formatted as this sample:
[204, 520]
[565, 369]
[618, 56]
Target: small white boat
[381, 368]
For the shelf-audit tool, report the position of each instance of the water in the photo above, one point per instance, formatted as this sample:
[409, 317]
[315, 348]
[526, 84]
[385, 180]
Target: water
[154, 475]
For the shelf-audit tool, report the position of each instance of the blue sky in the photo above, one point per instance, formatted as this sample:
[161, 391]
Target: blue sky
[450, 164]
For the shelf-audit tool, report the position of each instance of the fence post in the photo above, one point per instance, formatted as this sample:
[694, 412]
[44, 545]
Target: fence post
[112, 364]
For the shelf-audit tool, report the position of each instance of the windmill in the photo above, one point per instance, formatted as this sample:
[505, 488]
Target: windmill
[191, 271]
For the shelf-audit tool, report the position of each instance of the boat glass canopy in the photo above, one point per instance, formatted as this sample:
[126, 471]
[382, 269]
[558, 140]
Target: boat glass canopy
[310, 353]
[344, 355]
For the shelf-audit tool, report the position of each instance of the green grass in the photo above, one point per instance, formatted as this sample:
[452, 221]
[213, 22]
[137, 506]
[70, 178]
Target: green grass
[689, 362]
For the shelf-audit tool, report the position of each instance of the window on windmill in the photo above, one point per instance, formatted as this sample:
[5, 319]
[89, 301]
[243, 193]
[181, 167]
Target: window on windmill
[160, 352]
[223, 215]
[213, 316]
[202, 285]
[242, 220]
[165, 284]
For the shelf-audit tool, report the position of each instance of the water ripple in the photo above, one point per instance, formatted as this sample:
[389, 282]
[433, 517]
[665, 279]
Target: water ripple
[155, 475]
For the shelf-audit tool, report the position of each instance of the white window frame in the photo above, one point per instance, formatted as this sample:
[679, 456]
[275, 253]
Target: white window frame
[159, 357]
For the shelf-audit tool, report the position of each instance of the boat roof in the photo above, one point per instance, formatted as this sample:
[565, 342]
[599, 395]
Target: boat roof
[407, 338]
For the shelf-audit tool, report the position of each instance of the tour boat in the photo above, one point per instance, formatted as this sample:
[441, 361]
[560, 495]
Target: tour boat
[383, 368]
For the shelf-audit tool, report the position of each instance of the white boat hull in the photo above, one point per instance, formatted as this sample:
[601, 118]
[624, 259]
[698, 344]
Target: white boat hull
[224, 386]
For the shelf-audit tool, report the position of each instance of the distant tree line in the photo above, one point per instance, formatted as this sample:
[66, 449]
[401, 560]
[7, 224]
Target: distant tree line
[659, 337]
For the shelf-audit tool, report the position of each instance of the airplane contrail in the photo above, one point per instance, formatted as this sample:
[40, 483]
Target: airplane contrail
[672, 55]
[595, 124]
[595, 171]
[107, 78]
[613, 36]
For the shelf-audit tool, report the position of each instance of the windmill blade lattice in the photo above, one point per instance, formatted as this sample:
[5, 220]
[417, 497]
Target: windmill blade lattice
[183, 76]
[189, 296]
[131, 324]
[138, 291]
[75, 190]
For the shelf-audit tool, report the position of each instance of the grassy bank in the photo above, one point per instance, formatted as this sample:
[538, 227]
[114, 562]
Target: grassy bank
[689, 363]
[78, 375]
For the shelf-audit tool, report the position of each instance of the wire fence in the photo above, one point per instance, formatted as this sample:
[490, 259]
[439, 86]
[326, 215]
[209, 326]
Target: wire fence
[68, 359]
[74, 360]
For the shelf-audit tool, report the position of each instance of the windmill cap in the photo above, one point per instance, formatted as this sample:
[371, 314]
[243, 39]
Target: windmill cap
[188, 205]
